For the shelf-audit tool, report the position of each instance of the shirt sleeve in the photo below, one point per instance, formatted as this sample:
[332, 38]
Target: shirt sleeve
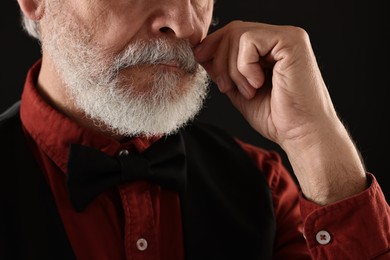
[355, 228]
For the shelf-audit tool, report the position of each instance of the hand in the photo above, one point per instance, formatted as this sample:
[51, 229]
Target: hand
[271, 75]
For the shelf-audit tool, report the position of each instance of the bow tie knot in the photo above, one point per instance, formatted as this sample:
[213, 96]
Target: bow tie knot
[91, 171]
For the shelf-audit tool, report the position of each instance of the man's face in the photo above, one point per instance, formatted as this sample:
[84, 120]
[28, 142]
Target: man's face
[128, 64]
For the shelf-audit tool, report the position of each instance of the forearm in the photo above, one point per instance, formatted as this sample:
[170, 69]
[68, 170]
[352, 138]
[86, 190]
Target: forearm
[327, 165]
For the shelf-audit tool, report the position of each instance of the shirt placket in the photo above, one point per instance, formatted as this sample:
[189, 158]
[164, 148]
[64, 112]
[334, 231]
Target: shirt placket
[140, 234]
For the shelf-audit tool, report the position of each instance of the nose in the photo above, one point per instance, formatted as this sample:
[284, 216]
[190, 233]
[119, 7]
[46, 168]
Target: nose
[179, 19]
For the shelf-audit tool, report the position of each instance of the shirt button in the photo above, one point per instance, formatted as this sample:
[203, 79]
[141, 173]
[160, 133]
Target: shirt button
[323, 237]
[123, 152]
[142, 244]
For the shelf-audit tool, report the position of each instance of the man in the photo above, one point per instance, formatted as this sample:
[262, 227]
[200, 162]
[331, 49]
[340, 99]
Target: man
[106, 164]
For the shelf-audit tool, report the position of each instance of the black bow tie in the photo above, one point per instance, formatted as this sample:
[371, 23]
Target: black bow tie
[91, 171]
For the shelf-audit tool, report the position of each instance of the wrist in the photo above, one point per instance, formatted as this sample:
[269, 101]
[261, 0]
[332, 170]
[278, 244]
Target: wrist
[327, 165]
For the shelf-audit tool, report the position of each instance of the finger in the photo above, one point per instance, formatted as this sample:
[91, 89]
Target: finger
[206, 50]
[248, 61]
[223, 81]
[217, 67]
[239, 80]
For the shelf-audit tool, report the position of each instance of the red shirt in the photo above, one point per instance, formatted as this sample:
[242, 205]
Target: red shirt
[140, 220]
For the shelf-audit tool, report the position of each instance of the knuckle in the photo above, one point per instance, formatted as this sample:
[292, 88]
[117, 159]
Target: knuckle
[246, 36]
[297, 33]
[233, 25]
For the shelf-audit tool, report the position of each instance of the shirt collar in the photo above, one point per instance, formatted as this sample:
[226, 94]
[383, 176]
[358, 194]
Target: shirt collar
[53, 132]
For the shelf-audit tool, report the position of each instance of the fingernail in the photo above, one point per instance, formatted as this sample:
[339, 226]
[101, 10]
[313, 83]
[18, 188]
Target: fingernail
[221, 83]
[253, 83]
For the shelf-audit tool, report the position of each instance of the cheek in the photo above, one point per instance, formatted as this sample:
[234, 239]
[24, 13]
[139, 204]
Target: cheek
[204, 11]
[115, 29]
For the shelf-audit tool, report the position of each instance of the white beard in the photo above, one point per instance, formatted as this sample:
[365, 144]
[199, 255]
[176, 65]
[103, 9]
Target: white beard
[115, 103]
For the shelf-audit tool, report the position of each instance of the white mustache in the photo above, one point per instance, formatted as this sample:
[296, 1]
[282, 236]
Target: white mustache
[160, 51]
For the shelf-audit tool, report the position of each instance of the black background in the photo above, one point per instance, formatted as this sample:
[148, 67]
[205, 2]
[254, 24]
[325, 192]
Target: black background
[351, 43]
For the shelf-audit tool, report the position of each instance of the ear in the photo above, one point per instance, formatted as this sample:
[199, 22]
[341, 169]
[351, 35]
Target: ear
[33, 9]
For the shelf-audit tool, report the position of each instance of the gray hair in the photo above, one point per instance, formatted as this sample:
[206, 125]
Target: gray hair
[31, 27]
